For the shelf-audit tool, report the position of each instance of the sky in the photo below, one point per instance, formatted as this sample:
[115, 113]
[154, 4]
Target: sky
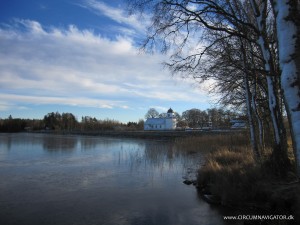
[84, 57]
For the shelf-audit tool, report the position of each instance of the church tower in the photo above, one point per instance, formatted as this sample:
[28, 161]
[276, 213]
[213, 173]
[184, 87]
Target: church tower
[170, 120]
[170, 113]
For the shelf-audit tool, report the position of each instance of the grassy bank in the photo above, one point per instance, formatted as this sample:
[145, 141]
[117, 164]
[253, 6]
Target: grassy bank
[233, 178]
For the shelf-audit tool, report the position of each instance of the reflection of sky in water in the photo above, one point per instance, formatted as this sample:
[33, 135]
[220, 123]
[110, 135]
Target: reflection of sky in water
[54, 179]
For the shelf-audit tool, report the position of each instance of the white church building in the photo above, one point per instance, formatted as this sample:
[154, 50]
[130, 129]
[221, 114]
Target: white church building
[167, 123]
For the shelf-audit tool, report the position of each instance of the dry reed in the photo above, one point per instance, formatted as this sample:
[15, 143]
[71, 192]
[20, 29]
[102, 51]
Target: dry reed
[213, 142]
[233, 177]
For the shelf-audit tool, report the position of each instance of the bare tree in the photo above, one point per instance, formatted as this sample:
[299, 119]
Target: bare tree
[260, 9]
[193, 31]
[152, 113]
[193, 117]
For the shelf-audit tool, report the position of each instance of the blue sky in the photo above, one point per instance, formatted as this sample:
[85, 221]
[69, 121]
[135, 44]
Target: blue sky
[82, 56]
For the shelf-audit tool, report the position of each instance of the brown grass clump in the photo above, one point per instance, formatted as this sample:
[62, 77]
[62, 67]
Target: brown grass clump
[234, 178]
[230, 172]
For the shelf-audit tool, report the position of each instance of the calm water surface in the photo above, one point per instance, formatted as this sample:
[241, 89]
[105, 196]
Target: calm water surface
[78, 180]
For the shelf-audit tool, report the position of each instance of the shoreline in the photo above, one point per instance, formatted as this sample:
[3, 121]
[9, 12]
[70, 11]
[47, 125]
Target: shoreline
[141, 134]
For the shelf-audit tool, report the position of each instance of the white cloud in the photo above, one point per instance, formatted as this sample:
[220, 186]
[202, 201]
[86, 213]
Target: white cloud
[78, 67]
[4, 106]
[116, 14]
[42, 100]
[160, 108]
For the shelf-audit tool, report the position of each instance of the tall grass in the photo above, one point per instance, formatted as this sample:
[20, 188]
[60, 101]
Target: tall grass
[230, 172]
[232, 176]
[213, 142]
[230, 169]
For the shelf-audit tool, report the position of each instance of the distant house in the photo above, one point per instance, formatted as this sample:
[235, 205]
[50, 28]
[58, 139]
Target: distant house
[167, 123]
[238, 124]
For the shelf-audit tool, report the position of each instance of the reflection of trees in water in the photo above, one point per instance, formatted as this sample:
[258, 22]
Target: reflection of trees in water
[59, 143]
[105, 143]
[54, 142]
[6, 142]
[158, 155]
[168, 152]
[21, 140]
[162, 157]
[88, 143]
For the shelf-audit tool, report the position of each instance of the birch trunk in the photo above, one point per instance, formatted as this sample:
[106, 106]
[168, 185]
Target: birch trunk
[287, 14]
[248, 105]
[259, 122]
[250, 118]
[280, 148]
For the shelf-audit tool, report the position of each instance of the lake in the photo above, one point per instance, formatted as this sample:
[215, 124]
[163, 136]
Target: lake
[82, 180]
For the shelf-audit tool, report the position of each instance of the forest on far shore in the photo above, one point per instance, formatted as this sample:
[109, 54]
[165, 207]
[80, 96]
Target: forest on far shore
[193, 118]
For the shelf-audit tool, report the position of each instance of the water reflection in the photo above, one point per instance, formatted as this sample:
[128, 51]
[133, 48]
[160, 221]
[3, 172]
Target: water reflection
[59, 143]
[94, 180]
[87, 143]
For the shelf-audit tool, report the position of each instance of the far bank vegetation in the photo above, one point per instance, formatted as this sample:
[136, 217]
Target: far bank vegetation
[55, 121]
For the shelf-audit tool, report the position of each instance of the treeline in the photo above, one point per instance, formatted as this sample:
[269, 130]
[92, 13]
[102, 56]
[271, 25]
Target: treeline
[215, 118]
[65, 122]
[196, 118]
[92, 124]
[16, 125]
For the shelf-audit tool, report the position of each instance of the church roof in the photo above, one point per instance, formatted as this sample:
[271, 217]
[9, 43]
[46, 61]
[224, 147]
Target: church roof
[155, 121]
[170, 110]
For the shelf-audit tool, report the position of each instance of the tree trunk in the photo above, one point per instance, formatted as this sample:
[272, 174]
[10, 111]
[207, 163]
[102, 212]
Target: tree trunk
[281, 161]
[259, 122]
[248, 104]
[250, 118]
[287, 14]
